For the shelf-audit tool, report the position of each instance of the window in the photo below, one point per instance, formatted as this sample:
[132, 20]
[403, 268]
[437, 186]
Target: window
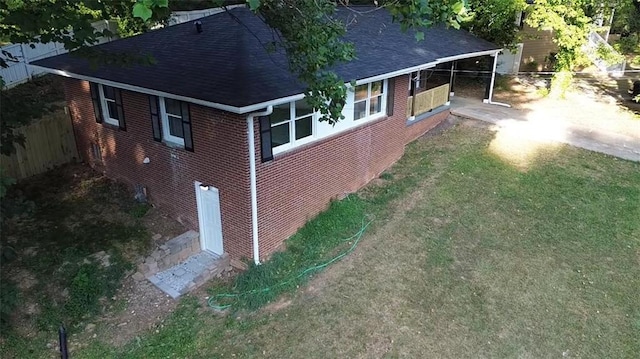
[171, 122]
[369, 100]
[107, 105]
[291, 124]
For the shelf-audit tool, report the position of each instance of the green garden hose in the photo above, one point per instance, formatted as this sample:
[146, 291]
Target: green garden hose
[212, 302]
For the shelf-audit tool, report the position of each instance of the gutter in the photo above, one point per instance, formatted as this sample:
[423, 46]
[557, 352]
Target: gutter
[253, 181]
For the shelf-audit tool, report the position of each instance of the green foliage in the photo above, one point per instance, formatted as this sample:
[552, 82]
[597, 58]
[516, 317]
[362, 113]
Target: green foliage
[494, 20]
[27, 21]
[627, 17]
[542, 91]
[88, 281]
[609, 55]
[570, 25]
[139, 210]
[628, 45]
[560, 83]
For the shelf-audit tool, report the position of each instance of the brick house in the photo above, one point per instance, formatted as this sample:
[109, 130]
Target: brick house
[218, 134]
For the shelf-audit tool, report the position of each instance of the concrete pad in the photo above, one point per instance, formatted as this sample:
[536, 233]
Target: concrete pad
[187, 275]
[625, 146]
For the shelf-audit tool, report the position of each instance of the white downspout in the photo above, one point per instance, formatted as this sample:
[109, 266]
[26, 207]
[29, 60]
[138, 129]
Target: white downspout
[493, 82]
[252, 176]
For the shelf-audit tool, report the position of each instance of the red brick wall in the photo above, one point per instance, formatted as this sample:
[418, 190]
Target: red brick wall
[220, 159]
[299, 184]
[418, 128]
[292, 188]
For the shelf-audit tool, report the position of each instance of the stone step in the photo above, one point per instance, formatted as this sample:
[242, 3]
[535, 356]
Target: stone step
[169, 254]
[188, 275]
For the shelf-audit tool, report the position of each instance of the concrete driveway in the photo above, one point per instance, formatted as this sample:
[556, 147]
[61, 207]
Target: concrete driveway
[546, 123]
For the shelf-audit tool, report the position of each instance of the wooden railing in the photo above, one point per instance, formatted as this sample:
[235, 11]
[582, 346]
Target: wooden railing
[428, 100]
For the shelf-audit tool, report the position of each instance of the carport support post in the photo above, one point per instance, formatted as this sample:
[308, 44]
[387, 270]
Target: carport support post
[452, 79]
[488, 93]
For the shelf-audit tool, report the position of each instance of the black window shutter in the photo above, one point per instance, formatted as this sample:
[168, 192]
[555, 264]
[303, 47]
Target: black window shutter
[391, 85]
[121, 123]
[95, 97]
[265, 139]
[186, 126]
[156, 124]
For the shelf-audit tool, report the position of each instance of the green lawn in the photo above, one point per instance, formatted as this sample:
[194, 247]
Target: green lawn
[467, 256]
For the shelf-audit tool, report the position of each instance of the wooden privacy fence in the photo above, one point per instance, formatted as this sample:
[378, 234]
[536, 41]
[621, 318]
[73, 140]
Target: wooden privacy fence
[49, 143]
[428, 100]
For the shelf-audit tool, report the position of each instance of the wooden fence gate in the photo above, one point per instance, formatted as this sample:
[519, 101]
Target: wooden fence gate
[49, 142]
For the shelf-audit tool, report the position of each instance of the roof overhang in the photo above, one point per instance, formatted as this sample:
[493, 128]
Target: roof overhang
[261, 105]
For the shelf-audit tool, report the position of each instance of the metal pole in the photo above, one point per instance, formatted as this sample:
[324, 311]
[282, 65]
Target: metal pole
[62, 338]
[414, 93]
[452, 79]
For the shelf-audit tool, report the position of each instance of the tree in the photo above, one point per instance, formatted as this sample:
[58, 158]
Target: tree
[495, 20]
[570, 25]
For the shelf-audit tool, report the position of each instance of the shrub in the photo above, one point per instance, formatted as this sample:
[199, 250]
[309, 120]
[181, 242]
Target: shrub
[628, 45]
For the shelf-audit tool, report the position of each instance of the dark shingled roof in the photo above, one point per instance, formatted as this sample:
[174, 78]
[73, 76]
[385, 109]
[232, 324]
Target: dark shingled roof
[228, 63]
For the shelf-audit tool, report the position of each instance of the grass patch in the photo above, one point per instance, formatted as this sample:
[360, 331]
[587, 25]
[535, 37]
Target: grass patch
[89, 285]
[71, 234]
[468, 256]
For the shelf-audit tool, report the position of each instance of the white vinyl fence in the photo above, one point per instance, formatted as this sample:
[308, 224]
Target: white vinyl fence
[20, 71]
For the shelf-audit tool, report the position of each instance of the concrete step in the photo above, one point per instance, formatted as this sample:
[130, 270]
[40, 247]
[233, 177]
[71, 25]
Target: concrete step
[188, 275]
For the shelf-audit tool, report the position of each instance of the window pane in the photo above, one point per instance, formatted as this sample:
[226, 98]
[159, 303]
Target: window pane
[175, 127]
[109, 92]
[303, 108]
[303, 127]
[375, 106]
[362, 92]
[113, 110]
[279, 135]
[360, 110]
[280, 113]
[376, 88]
[172, 107]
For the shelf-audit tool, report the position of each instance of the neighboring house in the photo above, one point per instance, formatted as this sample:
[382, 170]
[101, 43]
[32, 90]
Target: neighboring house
[218, 133]
[533, 53]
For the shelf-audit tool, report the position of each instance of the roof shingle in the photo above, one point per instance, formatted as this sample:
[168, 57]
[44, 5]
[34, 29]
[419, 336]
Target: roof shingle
[228, 63]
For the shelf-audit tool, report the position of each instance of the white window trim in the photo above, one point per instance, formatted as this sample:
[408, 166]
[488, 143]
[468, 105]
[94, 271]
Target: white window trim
[166, 135]
[383, 98]
[349, 121]
[292, 128]
[105, 109]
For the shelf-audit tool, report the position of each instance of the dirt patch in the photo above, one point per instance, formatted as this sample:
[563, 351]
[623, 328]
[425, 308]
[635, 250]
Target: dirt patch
[75, 237]
[145, 308]
[161, 226]
[277, 306]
